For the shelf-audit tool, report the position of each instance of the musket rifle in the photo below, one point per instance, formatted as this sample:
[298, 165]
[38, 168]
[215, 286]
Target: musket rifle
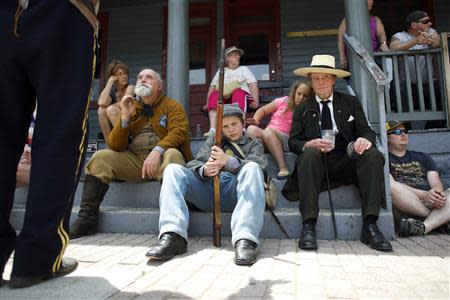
[217, 217]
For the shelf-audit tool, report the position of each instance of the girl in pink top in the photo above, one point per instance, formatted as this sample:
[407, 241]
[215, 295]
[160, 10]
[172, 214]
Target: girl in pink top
[276, 134]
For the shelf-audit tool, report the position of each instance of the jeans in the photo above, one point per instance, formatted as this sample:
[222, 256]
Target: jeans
[241, 193]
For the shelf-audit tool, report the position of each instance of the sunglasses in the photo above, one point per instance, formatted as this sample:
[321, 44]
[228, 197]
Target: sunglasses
[426, 21]
[399, 131]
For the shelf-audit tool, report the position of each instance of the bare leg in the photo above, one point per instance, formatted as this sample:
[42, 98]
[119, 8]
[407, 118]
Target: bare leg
[438, 217]
[105, 126]
[113, 113]
[212, 118]
[255, 132]
[407, 201]
[275, 147]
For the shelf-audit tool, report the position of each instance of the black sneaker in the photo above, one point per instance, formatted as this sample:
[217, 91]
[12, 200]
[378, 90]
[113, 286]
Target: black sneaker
[411, 226]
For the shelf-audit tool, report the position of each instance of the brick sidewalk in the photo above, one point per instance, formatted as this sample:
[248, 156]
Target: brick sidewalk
[113, 266]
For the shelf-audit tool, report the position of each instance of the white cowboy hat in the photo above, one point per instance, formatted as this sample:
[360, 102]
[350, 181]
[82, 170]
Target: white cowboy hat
[322, 64]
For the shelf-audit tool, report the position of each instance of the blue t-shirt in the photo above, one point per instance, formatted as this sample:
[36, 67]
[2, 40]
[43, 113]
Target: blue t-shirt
[412, 168]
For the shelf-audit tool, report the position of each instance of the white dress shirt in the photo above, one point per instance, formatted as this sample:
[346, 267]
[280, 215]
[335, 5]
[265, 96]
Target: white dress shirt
[330, 106]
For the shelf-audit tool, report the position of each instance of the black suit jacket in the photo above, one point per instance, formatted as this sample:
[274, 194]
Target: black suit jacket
[350, 121]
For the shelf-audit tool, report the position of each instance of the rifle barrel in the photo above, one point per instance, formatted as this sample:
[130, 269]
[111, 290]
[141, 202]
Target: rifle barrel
[217, 217]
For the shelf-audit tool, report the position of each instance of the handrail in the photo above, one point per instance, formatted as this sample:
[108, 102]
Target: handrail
[374, 72]
[367, 61]
[408, 52]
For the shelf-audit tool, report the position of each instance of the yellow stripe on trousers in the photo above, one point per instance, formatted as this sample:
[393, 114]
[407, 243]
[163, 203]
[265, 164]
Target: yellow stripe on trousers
[61, 232]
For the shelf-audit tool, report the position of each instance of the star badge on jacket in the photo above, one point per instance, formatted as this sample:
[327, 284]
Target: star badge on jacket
[163, 121]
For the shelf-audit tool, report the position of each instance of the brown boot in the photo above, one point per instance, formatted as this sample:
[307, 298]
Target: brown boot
[94, 191]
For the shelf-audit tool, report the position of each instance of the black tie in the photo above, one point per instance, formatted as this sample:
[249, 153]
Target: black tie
[326, 116]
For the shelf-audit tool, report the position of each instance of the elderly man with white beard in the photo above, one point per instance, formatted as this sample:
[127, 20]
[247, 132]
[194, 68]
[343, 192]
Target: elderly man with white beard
[151, 133]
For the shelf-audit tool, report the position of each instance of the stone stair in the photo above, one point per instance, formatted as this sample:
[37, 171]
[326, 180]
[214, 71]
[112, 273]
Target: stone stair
[133, 207]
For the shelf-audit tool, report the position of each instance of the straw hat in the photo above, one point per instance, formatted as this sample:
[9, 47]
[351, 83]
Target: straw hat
[322, 64]
[232, 49]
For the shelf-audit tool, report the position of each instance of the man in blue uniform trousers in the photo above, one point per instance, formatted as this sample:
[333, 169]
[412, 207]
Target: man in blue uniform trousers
[47, 53]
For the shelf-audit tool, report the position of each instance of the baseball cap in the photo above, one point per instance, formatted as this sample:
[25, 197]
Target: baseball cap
[415, 16]
[394, 124]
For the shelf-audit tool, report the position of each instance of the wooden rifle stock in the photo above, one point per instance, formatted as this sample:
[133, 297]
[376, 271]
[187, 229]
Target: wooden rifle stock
[217, 217]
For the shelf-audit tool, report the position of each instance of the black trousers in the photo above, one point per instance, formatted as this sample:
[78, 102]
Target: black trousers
[365, 171]
[51, 62]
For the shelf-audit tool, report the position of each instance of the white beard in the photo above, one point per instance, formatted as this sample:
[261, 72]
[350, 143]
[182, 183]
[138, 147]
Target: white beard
[143, 90]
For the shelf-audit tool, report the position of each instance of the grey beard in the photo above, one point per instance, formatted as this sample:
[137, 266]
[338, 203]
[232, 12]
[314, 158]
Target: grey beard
[142, 90]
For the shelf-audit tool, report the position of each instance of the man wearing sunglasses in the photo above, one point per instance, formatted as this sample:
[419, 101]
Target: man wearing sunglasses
[418, 35]
[420, 203]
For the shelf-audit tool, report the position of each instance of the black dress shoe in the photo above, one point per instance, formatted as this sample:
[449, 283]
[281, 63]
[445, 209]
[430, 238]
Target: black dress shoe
[68, 265]
[307, 239]
[169, 245]
[372, 236]
[245, 252]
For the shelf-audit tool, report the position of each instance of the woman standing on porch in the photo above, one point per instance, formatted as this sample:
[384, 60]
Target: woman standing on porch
[240, 86]
[377, 36]
[275, 136]
[116, 87]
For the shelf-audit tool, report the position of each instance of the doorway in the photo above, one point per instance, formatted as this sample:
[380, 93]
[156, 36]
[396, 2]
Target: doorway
[254, 26]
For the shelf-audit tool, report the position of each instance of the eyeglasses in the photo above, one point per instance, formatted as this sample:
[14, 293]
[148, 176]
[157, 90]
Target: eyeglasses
[426, 21]
[399, 131]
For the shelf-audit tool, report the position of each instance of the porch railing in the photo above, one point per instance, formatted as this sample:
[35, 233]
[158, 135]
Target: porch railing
[418, 89]
[369, 68]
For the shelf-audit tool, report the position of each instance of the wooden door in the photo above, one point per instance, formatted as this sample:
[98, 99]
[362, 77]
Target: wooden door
[254, 26]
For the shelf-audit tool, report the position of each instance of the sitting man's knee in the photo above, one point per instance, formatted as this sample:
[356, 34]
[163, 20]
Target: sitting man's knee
[373, 154]
[102, 154]
[311, 153]
[252, 168]
[172, 169]
[173, 155]
[99, 158]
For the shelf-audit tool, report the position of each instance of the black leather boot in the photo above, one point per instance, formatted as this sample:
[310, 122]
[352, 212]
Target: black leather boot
[94, 191]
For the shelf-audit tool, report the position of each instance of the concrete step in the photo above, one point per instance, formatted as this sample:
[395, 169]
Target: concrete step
[145, 220]
[146, 195]
[430, 141]
[442, 160]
